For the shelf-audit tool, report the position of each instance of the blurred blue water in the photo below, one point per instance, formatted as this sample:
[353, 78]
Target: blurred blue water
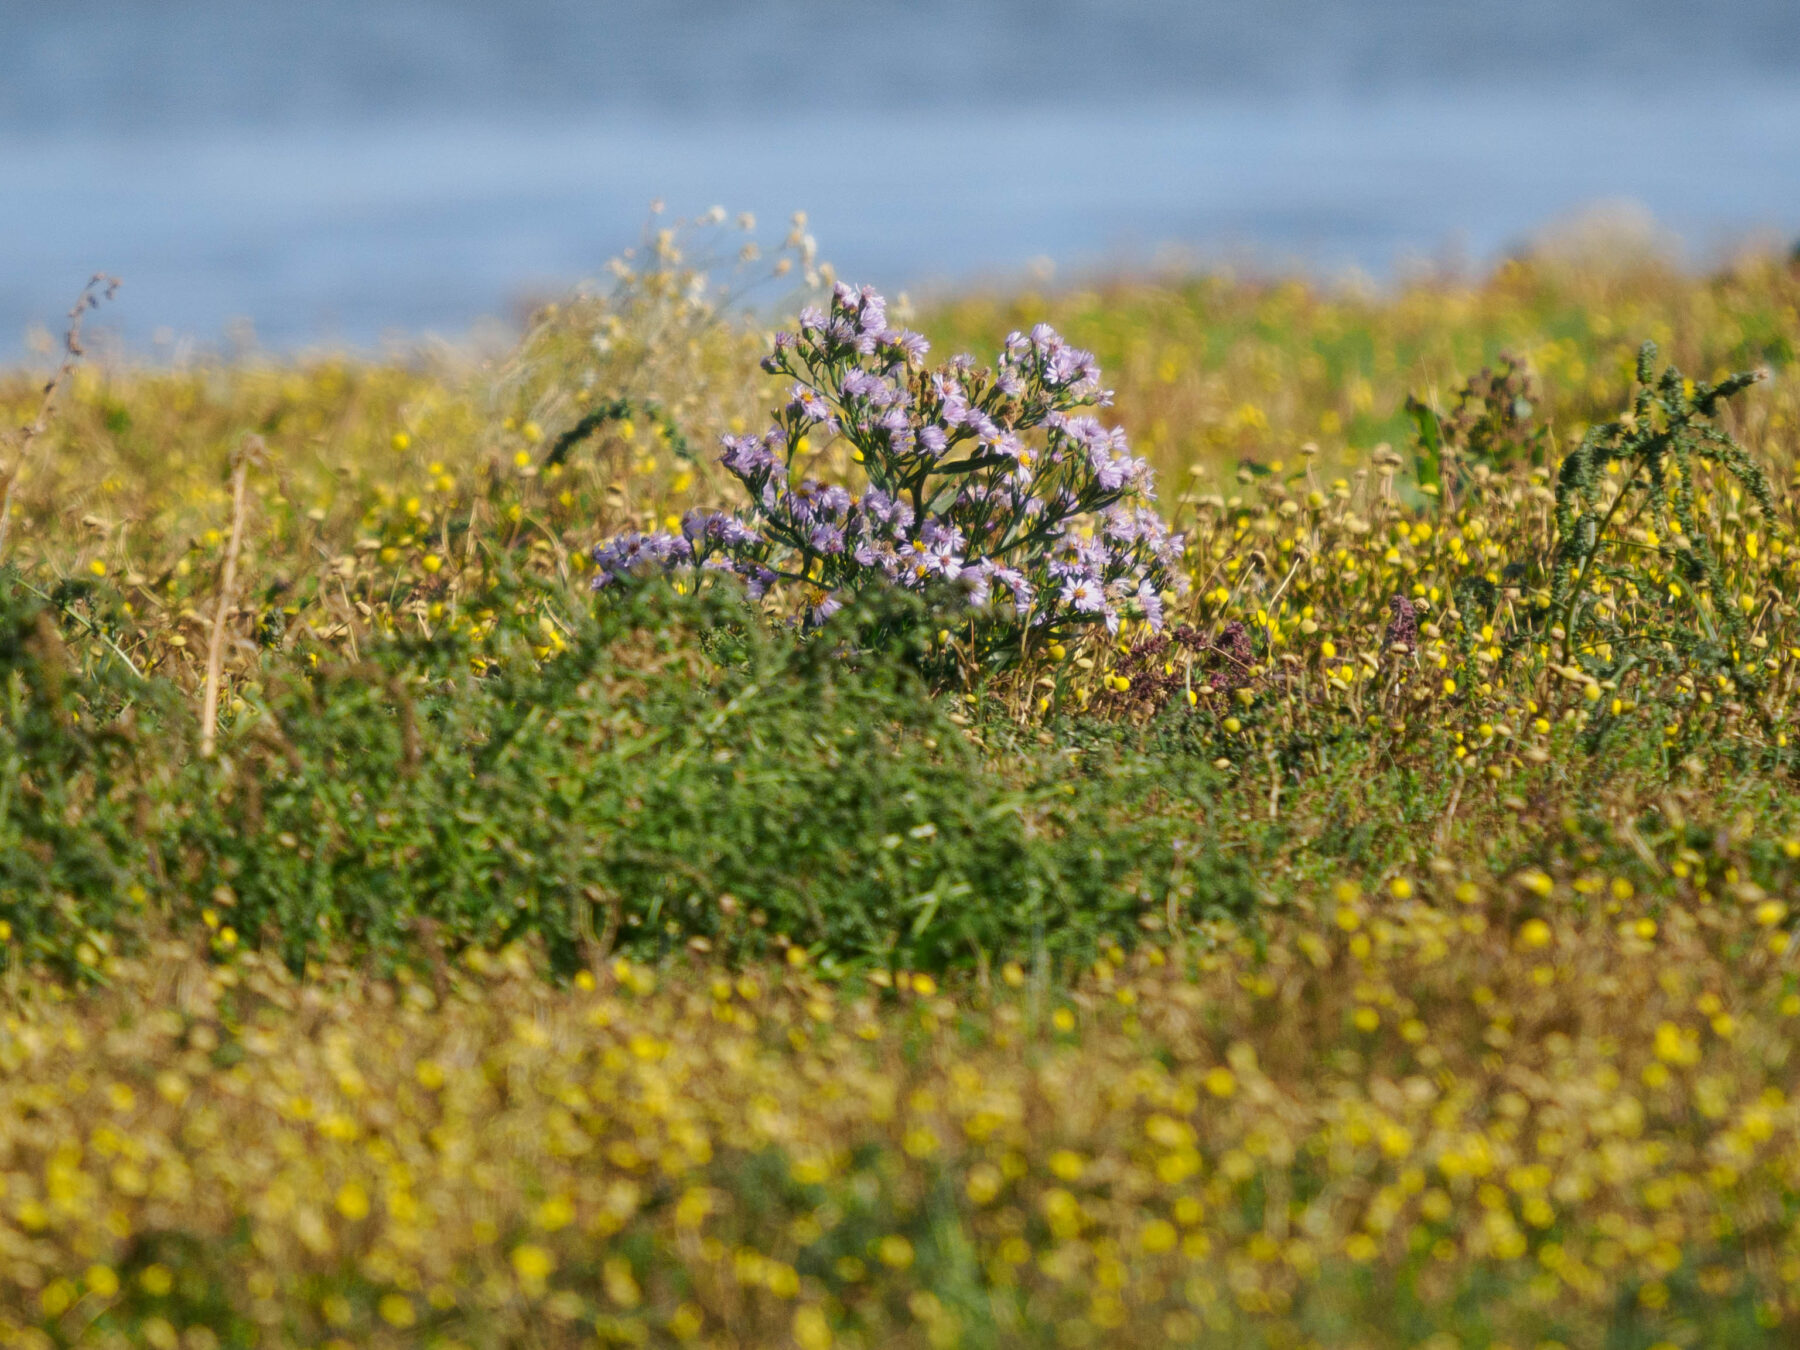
[341, 169]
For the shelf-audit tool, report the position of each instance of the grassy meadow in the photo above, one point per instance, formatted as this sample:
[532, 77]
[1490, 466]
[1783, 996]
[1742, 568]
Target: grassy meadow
[404, 944]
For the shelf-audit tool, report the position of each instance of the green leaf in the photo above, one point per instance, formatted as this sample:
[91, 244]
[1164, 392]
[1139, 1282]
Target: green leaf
[1428, 463]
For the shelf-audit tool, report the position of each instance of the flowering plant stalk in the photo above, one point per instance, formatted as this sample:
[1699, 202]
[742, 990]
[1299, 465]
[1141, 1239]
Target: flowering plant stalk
[997, 490]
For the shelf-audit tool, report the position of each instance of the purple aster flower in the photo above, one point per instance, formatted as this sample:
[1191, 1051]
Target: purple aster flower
[1023, 594]
[636, 554]
[821, 605]
[1152, 605]
[807, 405]
[1084, 594]
[879, 508]
[935, 532]
[805, 500]
[976, 580]
[911, 346]
[757, 580]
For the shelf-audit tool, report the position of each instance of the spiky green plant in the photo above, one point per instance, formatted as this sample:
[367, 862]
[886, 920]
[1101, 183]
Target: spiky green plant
[1655, 444]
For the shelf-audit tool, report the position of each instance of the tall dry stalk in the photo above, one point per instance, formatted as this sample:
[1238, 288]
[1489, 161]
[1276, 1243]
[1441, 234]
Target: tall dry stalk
[99, 287]
[252, 449]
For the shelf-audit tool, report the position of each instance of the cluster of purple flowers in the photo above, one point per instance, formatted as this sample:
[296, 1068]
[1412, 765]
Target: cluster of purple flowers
[639, 555]
[996, 486]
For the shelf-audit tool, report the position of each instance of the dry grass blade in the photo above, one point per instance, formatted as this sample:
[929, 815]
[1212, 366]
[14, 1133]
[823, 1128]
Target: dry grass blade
[215, 648]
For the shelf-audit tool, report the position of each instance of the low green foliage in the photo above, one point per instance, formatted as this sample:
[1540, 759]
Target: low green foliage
[77, 772]
[637, 794]
[1653, 448]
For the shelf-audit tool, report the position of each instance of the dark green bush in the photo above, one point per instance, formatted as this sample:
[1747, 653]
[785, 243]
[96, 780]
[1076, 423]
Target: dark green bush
[73, 799]
[637, 794]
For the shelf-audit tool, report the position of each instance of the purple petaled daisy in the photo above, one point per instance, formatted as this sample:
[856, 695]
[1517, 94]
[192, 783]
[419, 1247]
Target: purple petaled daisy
[757, 580]
[821, 605]
[1023, 593]
[878, 508]
[805, 501]
[1151, 604]
[1083, 594]
[807, 405]
[935, 533]
[716, 527]
[637, 554]
[911, 346]
[976, 580]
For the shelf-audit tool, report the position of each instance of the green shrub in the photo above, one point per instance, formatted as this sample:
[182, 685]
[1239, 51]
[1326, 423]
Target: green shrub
[637, 793]
[72, 798]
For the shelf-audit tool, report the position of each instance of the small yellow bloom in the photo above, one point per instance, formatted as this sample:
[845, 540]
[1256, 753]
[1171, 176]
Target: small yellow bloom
[101, 1280]
[532, 1264]
[983, 1184]
[812, 1330]
[1535, 933]
[353, 1201]
[1158, 1236]
[157, 1280]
